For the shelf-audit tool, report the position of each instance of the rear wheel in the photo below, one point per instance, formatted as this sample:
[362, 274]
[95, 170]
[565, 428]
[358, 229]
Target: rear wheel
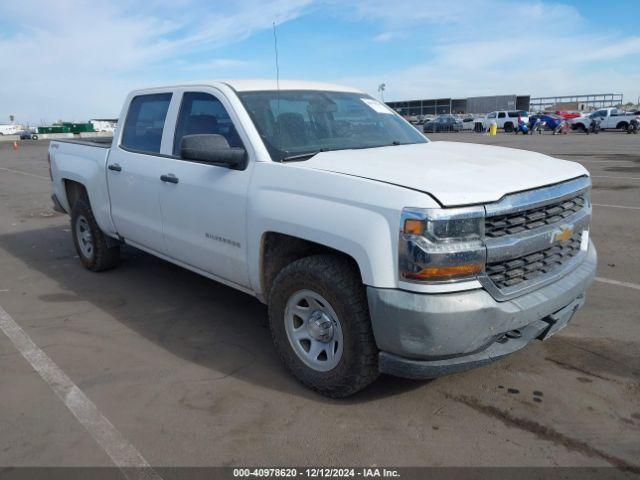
[90, 242]
[320, 325]
[508, 127]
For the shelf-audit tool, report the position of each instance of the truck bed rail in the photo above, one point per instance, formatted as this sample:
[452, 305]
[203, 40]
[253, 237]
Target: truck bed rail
[102, 142]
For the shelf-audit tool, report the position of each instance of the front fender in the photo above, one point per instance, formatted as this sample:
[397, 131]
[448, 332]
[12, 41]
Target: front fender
[355, 216]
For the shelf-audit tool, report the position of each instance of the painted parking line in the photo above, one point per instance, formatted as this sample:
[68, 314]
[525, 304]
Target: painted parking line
[123, 454]
[587, 160]
[24, 173]
[614, 206]
[618, 283]
[618, 177]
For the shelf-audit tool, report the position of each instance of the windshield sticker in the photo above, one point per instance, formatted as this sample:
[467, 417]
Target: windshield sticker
[377, 106]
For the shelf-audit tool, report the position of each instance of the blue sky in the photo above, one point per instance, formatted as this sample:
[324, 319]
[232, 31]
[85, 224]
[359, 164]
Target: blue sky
[76, 59]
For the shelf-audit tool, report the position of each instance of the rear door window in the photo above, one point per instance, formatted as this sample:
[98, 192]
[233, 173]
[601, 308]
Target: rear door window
[145, 122]
[202, 113]
[502, 115]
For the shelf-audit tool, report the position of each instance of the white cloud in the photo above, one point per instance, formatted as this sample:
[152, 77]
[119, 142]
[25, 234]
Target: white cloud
[486, 48]
[388, 37]
[74, 60]
[77, 59]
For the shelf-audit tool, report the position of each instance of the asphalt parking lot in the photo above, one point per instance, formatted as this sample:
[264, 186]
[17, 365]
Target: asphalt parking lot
[184, 369]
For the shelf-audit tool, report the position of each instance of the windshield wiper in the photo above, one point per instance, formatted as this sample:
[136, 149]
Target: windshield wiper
[308, 155]
[364, 147]
[301, 156]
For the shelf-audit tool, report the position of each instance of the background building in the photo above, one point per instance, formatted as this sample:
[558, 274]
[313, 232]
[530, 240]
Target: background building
[581, 102]
[104, 124]
[461, 105]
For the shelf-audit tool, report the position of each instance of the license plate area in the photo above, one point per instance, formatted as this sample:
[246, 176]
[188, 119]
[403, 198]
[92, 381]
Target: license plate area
[558, 320]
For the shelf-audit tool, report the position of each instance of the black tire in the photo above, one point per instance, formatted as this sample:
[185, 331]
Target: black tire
[337, 281]
[622, 126]
[508, 127]
[102, 256]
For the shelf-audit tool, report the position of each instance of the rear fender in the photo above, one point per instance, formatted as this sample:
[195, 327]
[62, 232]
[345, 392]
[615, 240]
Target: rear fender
[86, 166]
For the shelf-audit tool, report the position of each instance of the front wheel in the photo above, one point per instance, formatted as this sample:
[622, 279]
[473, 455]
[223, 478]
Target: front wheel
[320, 325]
[90, 242]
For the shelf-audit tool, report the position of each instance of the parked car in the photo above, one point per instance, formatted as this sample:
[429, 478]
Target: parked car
[27, 135]
[443, 123]
[608, 118]
[472, 124]
[506, 120]
[548, 121]
[568, 115]
[375, 249]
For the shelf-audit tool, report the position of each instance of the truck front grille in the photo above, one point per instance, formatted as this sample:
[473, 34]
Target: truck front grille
[532, 266]
[512, 223]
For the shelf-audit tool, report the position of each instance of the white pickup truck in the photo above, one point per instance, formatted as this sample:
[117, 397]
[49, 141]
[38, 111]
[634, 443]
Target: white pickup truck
[375, 249]
[507, 120]
[608, 119]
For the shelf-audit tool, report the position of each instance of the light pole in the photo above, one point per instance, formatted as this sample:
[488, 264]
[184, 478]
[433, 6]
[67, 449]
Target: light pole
[381, 89]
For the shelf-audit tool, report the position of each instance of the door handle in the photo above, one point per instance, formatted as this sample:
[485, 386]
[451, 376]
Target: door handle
[115, 167]
[169, 178]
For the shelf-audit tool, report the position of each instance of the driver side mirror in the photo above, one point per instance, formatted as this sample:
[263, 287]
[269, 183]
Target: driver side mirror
[213, 149]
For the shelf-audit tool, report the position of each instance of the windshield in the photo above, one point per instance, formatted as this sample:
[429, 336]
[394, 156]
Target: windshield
[297, 123]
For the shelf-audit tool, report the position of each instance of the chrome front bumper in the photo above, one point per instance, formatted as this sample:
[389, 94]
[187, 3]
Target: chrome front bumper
[428, 335]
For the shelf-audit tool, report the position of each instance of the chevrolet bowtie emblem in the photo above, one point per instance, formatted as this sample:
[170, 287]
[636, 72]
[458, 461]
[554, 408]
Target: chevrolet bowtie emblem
[562, 235]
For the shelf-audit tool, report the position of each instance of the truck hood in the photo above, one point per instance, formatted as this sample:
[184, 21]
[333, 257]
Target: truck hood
[453, 173]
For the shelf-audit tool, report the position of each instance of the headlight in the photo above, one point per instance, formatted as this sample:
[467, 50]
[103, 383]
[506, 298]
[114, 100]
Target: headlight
[441, 245]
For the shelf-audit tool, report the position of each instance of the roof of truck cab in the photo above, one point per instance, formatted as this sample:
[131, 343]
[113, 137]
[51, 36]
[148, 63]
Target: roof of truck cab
[258, 84]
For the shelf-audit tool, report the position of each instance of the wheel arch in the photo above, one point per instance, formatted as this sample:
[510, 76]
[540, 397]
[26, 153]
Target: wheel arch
[74, 191]
[277, 250]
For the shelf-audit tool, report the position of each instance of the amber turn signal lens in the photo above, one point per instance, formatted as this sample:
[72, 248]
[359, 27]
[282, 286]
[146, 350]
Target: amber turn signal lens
[444, 273]
[413, 227]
